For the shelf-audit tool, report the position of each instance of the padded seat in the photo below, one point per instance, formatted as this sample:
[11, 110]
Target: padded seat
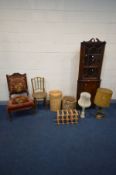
[16, 106]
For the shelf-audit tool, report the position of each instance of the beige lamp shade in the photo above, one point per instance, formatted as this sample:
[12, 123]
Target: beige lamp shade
[102, 97]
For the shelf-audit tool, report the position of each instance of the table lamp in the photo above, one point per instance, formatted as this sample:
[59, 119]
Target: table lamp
[84, 102]
[102, 100]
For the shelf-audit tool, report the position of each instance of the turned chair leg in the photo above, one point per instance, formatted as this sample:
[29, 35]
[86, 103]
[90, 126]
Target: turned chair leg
[35, 103]
[45, 101]
[10, 115]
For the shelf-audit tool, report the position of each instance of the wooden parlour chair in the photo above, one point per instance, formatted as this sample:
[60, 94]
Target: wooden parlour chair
[18, 93]
[38, 89]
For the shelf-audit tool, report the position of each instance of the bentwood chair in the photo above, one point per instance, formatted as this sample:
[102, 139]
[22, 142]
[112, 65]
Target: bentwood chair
[38, 89]
[18, 93]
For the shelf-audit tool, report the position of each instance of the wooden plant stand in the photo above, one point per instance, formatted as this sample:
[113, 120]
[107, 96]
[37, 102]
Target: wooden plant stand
[67, 116]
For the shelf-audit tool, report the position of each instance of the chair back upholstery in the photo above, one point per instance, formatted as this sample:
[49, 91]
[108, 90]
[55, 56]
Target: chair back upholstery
[17, 84]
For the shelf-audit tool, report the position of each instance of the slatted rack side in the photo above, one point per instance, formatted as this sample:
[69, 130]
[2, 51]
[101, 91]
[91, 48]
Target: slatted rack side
[67, 116]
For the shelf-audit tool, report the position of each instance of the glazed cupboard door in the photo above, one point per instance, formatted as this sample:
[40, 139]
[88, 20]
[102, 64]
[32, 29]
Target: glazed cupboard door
[91, 59]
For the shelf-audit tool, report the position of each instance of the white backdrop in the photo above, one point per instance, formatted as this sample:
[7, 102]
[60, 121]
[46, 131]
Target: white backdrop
[42, 38]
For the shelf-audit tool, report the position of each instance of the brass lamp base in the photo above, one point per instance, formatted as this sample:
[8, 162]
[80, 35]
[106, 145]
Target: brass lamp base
[99, 114]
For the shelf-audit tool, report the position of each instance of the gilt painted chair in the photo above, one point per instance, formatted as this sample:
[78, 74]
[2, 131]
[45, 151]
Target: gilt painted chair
[38, 89]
